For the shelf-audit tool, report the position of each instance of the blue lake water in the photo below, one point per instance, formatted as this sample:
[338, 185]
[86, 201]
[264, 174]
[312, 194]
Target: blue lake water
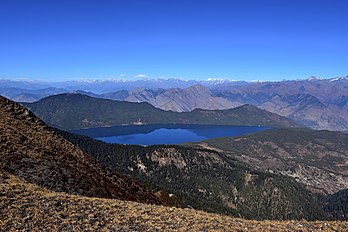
[165, 134]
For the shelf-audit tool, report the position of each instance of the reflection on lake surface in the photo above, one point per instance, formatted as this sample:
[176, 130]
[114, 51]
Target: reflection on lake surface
[165, 133]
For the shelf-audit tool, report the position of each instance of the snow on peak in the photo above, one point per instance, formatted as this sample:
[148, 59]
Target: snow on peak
[314, 78]
[339, 78]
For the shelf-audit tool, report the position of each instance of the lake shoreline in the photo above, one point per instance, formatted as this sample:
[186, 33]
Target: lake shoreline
[153, 134]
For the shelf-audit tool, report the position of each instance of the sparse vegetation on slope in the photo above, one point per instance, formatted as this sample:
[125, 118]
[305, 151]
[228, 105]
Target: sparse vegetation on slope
[317, 159]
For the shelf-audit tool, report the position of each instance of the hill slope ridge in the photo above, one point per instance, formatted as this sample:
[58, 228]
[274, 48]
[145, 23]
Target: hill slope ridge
[77, 111]
[32, 151]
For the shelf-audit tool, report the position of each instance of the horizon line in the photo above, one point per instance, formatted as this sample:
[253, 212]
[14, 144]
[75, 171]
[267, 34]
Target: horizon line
[135, 79]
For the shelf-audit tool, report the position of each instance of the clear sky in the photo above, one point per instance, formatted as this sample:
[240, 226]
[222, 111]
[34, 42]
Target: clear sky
[237, 39]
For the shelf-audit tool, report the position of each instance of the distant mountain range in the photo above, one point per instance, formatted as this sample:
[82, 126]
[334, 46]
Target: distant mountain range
[77, 111]
[316, 103]
[113, 85]
[27, 95]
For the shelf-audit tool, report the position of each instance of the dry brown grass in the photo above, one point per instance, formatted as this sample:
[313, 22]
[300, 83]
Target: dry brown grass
[27, 207]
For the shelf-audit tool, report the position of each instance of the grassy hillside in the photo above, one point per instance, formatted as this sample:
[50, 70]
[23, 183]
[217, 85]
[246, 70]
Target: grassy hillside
[76, 111]
[26, 207]
[206, 180]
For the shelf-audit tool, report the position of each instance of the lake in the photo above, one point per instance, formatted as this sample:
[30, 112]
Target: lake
[165, 134]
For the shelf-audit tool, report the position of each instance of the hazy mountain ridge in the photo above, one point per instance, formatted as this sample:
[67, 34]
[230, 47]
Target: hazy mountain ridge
[29, 95]
[175, 99]
[309, 111]
[113, 85]
[318, 103]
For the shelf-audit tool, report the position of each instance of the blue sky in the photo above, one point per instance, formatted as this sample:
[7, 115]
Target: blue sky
[237, 39]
